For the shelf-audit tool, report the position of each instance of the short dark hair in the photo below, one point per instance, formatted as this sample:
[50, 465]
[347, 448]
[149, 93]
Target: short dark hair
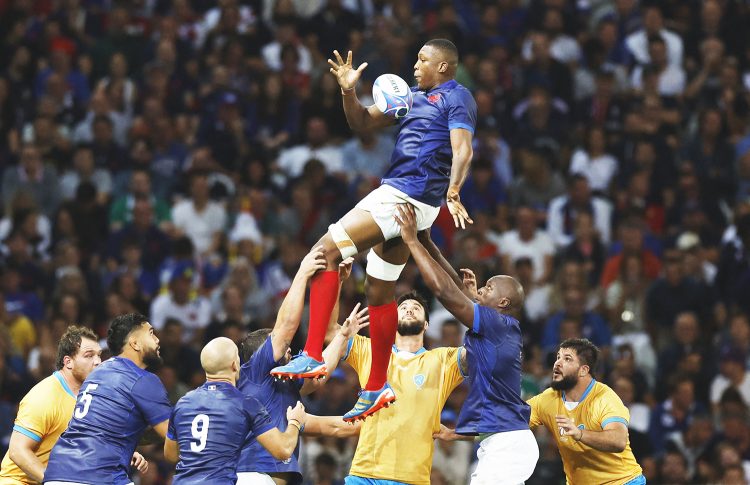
[70, 343]
[448, 48]
[120, 328]
[413, 295]
[252, 342]
[587, 352]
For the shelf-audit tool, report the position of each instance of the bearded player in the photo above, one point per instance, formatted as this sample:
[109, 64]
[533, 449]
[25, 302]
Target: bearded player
[429, 164]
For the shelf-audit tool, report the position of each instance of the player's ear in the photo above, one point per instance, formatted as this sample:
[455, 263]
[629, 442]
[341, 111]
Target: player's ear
[67, 362]
[443, 67]
[504, 303]
[583, 371]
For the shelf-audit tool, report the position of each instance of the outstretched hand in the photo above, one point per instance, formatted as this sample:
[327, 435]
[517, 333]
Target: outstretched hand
[457, 209]
[345, 269]
[344, 71]
[313, 262]
[407, 220]
[356, 321]
[470, 282]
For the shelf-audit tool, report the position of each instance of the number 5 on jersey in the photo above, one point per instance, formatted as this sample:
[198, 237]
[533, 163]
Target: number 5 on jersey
[200, 432]
[85, 400]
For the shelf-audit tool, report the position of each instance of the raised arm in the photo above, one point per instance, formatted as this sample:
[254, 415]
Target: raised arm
[462, 155]
[359, 117]
[290, 313]
[468, 284]
[437, 280]
[330, 426]
[357, 320]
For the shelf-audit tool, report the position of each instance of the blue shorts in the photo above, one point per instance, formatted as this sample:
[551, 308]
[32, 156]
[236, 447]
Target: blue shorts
[639, 480]
[352, 480]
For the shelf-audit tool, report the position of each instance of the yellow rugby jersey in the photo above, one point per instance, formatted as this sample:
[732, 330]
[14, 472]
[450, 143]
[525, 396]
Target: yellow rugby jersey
[43, 415]
[598, 407]
[396, 443]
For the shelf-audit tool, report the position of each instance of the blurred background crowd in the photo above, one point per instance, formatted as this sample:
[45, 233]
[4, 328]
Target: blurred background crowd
[179, 157]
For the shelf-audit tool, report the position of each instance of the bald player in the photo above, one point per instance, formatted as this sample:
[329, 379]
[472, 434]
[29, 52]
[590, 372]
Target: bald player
[428, 166]
[209, 425]
[493, 410]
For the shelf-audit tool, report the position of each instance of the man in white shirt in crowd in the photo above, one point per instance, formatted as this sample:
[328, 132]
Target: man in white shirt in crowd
[193, 311]
[653, 24]
[527, 241]
[293, 160]
[671, 78]
[198, 217]
[563, 210]
[733, 374]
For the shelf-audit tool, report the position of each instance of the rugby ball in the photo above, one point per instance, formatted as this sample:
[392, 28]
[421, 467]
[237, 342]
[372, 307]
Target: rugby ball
[392, 95]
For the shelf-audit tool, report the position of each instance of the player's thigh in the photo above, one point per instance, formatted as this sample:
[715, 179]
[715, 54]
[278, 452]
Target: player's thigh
[381, 283]
[361, 227]
[254, 478]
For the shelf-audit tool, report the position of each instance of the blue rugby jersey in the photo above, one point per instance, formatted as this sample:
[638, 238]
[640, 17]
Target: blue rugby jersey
[211, 425]
[421, 161]
[493, 349]
[116, 404]
[276, 397]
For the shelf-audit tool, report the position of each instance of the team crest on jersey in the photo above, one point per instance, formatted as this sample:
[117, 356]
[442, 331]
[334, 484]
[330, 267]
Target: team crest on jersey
[433, 98]
[419, 380]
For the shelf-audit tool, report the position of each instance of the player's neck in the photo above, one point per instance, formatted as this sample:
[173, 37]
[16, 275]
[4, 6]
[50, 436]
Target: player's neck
[71, 381]
[228, 380]
[439, 81]
[409, 343]
[575, 394]
[131, 354]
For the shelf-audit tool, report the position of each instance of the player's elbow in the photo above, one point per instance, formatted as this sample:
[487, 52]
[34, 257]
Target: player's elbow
[620, 442]
[283, 451]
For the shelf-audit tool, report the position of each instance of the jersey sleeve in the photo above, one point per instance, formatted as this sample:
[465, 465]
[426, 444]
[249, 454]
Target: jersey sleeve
[356, 352]
[33, 419]
[536, 411]
[171, 430]
[150, 398]
[451, 357]
[610, 409]
[462, 110]
[258, 417]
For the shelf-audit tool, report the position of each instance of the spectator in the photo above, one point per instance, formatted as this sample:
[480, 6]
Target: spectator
[292, 160]
[593, 162]
[563, 210]
[653, 24]
[193, 312]
[671, 77]
[33, 177]
[674, 414]
[732, 364]
[121, 211]
[84, 170]
[198, 217]
[530, 242]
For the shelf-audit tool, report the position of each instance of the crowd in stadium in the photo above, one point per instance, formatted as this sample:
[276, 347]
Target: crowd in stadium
[179, 158]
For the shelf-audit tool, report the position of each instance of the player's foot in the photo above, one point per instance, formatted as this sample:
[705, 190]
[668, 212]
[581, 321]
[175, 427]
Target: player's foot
[370, 402]
[302, 366]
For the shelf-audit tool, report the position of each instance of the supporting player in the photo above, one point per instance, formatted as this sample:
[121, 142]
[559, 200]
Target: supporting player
[119, 400]
[493, 410]
[44, 412]
[209, 425]
[429, 164]
[589, 421]
[265, 349]
[423, 380]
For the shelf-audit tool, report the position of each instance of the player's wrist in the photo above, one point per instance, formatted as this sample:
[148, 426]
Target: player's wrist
[347, 92]
[580, 435]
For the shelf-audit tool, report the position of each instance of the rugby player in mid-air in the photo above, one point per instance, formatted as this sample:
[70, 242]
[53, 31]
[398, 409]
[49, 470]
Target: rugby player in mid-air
[429, 165]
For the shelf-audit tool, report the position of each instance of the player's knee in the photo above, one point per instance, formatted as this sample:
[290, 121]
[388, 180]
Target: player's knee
[341, 241]
[381, 269]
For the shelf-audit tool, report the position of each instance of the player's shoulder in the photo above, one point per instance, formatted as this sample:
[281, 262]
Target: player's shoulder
[602, 391]
[456, 90]
[45, 390]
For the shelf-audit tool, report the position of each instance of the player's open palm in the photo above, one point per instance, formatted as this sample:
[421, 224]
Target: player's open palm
[297, 413]
[356, 321]
[457, 209]
[407, 221]
[313, 262]
[344, 71]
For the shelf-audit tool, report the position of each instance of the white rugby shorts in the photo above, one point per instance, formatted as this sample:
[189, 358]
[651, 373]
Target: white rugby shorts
[507, 458]
[254, 478]
[382, 202]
